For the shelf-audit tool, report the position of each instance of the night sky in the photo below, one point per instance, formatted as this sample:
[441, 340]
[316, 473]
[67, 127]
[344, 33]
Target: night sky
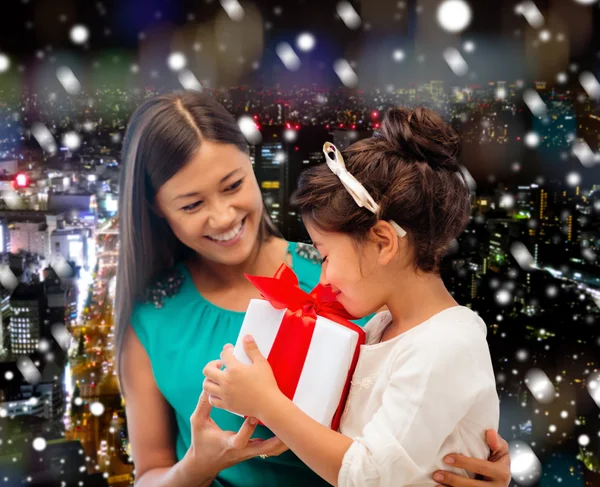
[501, 35]
[35, 35]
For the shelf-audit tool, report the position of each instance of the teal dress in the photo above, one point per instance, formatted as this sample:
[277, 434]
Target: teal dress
[189, 331]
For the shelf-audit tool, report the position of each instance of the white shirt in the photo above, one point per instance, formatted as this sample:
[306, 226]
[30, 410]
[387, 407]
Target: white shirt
[415, 398]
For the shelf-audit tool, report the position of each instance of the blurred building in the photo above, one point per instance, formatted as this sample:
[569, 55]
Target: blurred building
[525, 204]
[27, 305]
[62, 463]
[305, 151]
[588, 128]
[4, 236]
[45, 399]
[71, 243]
[76, 206]
[271, 167]
[4, 319]
[9, 166]
[61, 293]
[31, 237]
[29, 230]
[343, 138]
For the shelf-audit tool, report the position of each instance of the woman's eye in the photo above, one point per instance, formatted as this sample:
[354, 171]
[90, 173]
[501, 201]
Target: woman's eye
[323, 260]
[235, 185]
[191, 207]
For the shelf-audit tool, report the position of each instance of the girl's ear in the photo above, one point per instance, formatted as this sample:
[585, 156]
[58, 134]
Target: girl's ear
[387, 241]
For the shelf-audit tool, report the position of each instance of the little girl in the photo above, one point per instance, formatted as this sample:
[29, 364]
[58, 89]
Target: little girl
[424, 385]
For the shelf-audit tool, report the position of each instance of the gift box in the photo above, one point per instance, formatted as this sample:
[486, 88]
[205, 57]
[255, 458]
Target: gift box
[308, 340]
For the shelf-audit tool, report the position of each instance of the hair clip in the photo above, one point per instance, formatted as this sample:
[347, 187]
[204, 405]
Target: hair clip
[358, 192]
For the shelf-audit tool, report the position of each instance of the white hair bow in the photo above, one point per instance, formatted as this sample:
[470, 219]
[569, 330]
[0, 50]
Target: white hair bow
[358, 192]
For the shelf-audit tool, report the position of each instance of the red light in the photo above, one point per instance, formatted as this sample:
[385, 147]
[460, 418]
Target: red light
[297, 126]
[297, 148]
[255, 117]
[22, 180]
[327, 126]
[341, 125]
[376, 125]
[288, 126]
[375, 114]
[353, 126]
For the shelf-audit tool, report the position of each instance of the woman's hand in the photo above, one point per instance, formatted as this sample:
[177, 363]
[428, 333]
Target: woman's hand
[221, 449]
[240, 388]
[495, 470]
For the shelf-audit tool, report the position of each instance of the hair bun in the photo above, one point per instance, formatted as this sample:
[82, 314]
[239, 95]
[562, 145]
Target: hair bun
[422, 135]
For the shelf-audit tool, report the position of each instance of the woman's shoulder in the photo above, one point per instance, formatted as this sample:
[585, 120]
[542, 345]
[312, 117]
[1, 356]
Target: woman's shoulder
[164, 294]
[164, 287]
[308, 253]
[306, 263]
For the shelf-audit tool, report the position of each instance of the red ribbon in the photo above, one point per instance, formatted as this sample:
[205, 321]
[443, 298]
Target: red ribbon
[297, 327]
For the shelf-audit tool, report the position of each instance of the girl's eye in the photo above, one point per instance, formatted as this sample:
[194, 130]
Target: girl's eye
[192, 206]
[323, 260]
[235, 185]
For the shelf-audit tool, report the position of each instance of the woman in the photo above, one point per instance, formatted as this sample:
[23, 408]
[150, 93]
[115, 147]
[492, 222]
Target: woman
[192, 222]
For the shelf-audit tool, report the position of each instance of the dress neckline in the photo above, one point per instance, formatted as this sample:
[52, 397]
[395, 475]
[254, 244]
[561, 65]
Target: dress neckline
[189, 281]
[380, 321]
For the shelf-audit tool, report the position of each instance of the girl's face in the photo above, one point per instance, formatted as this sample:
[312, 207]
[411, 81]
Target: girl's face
[354, 273]
[213, 204]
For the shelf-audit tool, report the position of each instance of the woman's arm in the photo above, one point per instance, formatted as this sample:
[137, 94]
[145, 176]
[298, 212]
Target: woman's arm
[149, 422]
[151, 431]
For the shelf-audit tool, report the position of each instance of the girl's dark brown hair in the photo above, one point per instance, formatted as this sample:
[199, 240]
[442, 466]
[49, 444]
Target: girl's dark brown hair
[411, 169]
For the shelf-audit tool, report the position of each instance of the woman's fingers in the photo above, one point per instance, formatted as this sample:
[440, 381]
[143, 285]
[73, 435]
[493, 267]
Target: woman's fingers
[202, 412]
[498, 473]
[243, 436]
[452, 480]
[474, 465]
[272, 447]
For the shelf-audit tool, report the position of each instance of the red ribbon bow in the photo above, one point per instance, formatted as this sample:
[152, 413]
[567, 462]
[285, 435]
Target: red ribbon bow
[290, 348]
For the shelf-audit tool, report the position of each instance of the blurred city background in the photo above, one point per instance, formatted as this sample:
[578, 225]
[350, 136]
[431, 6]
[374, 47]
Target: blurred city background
[518, 80]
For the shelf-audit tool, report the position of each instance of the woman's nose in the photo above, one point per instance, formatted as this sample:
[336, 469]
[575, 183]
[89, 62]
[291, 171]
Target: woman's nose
[222, 217]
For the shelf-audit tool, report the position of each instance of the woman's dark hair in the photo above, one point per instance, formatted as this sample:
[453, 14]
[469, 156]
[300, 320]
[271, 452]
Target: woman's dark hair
[410, 168]
[162, 136]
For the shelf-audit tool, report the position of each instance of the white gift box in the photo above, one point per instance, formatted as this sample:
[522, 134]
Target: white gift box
[328, 365]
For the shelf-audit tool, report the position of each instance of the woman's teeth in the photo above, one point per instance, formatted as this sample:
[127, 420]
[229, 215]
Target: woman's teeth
[231, 234]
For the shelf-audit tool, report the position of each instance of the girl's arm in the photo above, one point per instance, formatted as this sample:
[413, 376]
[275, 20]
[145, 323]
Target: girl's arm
[400, 444]
[321, 448]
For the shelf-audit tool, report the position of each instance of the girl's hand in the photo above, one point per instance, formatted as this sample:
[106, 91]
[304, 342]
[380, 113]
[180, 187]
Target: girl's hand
[495, 471]
[240, 388]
